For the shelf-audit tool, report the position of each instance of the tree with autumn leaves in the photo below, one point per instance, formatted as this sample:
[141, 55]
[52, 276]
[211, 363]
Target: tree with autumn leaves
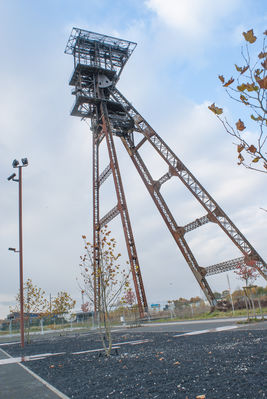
[36, 303]
[107, 281]
[248, 88]
[248, 275]
[62, 304]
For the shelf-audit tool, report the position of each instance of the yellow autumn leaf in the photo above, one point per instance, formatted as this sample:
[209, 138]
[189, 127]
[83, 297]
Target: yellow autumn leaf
[251, 87]
[259, 118]
[255, 160]
[242, 87]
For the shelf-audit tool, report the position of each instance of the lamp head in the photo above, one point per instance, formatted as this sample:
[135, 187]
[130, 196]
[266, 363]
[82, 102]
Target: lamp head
[11, 177]
[24, 161]
[15, 163]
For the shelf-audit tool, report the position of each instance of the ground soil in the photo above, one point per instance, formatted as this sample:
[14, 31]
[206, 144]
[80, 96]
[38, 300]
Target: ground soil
[221, 365]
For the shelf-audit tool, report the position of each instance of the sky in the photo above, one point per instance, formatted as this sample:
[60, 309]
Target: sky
[171, 78]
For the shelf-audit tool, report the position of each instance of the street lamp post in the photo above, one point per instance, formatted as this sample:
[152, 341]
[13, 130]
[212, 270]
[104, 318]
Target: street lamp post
[17, 165]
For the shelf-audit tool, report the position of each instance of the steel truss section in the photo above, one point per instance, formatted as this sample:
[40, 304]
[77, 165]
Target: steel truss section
[98, 62]
[225, 266]
[177, 168]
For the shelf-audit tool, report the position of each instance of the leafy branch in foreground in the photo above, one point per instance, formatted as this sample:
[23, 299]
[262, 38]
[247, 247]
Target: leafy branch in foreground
[249, 89]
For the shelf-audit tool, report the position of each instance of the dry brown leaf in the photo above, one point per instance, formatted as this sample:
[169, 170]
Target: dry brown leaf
[240, 125]
[244, 99]
[262, 83]
[252, 149]
[240, 148]
[230, 81]
[262, 55]
[215, 110]
[249, 36]
[241, 159]
[264, 63]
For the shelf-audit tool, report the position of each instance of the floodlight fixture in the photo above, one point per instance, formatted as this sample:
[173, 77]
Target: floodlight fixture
[13, 249]
[15, 163]
[24, 161]
[11, 177]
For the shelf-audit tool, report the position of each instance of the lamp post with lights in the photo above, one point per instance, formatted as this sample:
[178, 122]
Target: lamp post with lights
[16, 164]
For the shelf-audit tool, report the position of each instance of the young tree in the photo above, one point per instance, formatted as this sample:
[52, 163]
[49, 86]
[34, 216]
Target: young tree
[107, 279]
[34, 302]
[85, 307]
[248, 275]
[249, 89]
[129, 297]
[62, 303]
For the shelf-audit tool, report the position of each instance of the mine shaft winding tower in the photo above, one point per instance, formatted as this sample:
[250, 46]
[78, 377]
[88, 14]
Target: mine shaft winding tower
[98, 63]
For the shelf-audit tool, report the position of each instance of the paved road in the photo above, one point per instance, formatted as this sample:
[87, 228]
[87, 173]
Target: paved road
[18, 382]
[196, 325]
[176, 327]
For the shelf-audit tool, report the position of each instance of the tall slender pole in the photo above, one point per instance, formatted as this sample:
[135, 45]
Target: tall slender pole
[21, 261]
[230, 295]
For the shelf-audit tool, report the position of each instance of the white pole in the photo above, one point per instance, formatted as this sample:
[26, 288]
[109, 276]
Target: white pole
[230, 294]
[42, 326]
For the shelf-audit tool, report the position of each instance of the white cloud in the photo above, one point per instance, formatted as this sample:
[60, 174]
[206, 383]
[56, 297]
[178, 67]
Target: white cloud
[192, 18]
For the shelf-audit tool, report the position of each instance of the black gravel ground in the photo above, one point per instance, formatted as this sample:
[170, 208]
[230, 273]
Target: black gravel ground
[230, 364]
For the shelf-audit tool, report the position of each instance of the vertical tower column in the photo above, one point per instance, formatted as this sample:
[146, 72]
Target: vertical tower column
[96, 226]
[122, 206]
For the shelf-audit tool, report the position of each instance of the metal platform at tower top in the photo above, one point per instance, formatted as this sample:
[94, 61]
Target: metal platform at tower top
[99, 51]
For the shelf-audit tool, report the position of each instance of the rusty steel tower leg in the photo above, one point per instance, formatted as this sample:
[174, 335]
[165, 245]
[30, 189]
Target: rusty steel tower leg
[122, 207]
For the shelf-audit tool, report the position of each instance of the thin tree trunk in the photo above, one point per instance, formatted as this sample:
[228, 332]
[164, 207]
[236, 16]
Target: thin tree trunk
[259, 302]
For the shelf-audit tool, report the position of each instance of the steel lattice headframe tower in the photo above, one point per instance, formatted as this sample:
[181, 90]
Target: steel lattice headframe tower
[98, 63]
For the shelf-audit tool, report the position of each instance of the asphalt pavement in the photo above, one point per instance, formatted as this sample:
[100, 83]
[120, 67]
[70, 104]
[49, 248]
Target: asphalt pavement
[18, 382]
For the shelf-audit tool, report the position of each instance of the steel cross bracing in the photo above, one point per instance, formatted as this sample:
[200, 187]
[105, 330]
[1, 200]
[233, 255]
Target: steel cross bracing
[98, 62]
[169, 219]
[177, 168]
